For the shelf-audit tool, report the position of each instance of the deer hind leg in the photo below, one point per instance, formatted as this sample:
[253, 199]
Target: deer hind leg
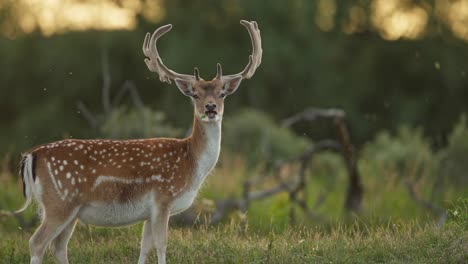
[50, 227]
[58, 246]
[147, 242]
[159, 226]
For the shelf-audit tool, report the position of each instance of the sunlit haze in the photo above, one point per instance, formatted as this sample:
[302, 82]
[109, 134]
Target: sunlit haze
[392, 19]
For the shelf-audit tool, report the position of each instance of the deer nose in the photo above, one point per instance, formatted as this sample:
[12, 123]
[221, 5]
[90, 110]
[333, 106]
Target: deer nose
[210, 107]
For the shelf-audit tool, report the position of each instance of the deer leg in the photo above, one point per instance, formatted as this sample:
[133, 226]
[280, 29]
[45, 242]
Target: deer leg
[47, 231]
[59, 244]
[159, 228]
[146, 242]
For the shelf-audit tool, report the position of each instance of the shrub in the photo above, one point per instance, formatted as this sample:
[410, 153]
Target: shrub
[137, 123]
[453, 160]
[256, 136]
[408, 151]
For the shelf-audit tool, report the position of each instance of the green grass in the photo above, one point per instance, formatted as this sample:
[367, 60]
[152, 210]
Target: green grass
[391, 243]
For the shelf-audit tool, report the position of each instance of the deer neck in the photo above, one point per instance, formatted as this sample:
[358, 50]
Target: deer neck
[204, 143]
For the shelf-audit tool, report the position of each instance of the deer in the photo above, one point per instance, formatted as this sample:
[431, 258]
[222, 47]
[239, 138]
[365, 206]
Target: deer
[113, 183]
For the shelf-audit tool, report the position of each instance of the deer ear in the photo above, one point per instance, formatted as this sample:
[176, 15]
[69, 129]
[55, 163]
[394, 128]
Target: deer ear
[231, 84]
[184, 86]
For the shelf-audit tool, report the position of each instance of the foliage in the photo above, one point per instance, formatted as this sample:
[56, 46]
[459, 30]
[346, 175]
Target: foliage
[256, 136]
[141, 122]
[380, 84]
[453, 159]
[407, 151]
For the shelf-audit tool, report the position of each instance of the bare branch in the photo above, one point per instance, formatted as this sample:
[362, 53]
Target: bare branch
[312, 114]
[106, 83]
[129, 87]
[92, 120]
[440, 212]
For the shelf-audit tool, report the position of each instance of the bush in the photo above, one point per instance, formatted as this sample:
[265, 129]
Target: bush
[406, 152]
[453, 160]
[137, 123]
[256, 136]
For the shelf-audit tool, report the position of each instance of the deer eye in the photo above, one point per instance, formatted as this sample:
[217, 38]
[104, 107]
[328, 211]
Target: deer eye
[222, 95]
[196, 96]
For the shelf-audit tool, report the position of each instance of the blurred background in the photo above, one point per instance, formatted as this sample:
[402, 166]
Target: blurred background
[397, 69]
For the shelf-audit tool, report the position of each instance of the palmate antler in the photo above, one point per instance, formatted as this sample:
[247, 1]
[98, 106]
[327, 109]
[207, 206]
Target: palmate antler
[255, 59]
[155, 63]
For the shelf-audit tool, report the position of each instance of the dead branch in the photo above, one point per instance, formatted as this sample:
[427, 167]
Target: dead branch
[108, 103]
[312, 114]
[130, 88]
[224, 207]
[92, 120]
[355, 190]
[428, 204]
[106, 83]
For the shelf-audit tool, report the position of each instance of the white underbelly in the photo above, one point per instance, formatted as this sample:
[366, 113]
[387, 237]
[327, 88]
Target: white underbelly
[115, 213]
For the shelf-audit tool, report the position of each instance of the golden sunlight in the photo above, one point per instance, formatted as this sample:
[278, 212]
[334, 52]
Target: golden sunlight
[454, 14]
[325, 18]
[57, 16]
[397, 19]
[357, 20]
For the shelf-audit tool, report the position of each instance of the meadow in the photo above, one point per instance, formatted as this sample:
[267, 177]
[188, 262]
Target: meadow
[234, 243]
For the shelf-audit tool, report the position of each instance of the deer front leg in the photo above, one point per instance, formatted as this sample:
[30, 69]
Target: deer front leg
[146, 242]
[159, 226]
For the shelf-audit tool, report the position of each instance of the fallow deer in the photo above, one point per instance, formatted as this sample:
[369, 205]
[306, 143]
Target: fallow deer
[120, 182]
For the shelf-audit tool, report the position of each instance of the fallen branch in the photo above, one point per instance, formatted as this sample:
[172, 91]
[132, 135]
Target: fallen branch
[440, 212]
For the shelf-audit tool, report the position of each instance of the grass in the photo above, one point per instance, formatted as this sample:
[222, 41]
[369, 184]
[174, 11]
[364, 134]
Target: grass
[234, 243]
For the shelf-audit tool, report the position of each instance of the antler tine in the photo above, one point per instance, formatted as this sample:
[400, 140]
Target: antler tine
[255, 59]
[196, 73]
[154, 61]
[219, 71]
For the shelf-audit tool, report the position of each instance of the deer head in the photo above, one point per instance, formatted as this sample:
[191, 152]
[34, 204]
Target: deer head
[207, 96]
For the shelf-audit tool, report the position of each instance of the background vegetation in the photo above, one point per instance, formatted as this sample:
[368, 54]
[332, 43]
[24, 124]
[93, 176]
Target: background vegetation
[398, 68]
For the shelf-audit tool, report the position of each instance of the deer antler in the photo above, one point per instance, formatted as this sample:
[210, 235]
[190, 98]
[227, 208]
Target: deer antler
[255, 59]
[155, 63]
